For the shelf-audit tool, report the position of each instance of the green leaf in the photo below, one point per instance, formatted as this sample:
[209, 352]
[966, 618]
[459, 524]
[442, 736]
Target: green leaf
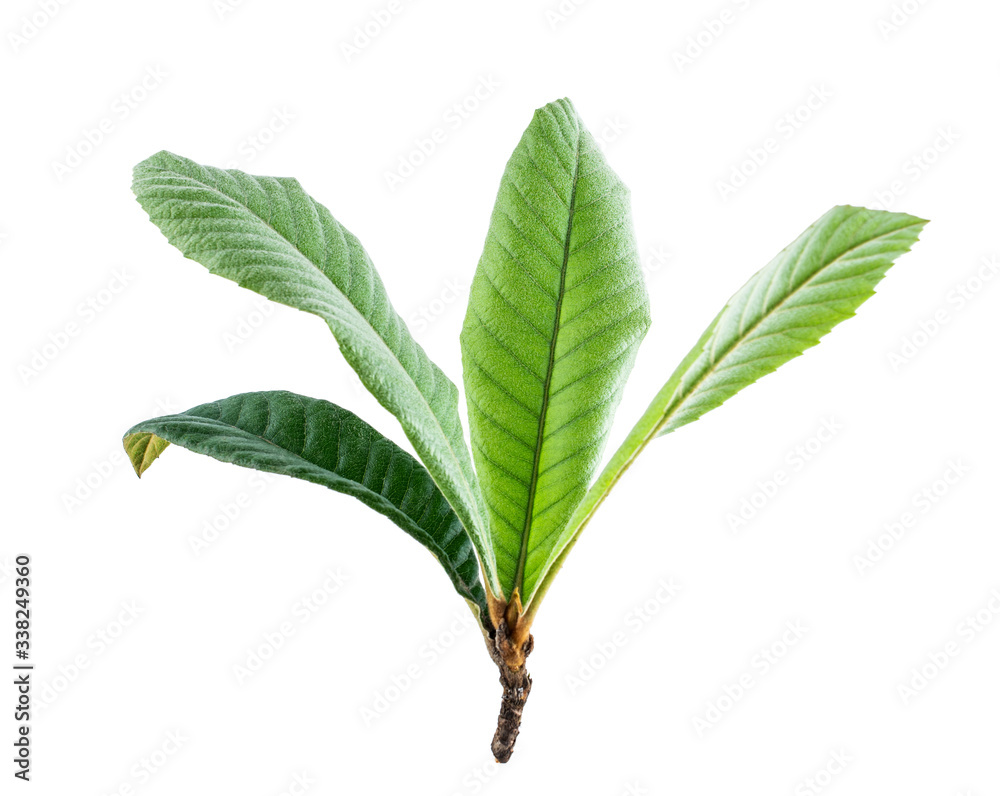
[267, 234]
[557, 311]
[786, 307]
[320, 442]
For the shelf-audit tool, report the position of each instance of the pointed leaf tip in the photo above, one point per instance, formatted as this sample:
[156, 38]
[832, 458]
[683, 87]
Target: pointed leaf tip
[142, 449]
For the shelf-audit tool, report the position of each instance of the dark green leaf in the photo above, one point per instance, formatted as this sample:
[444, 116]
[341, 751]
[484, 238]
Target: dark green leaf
[317, 441]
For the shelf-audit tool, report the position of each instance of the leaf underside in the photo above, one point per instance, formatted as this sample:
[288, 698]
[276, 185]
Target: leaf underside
[784, 309]
[788, 306]
[557, 310]
[320, 442]
[267, 235]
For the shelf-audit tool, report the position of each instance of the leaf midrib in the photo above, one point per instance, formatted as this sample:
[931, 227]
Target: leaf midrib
[547, 386]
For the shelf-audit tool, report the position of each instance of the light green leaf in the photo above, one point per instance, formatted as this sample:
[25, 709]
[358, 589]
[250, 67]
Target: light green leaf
[786, 307]
[317, 441]
[267, 234]
[557, 310]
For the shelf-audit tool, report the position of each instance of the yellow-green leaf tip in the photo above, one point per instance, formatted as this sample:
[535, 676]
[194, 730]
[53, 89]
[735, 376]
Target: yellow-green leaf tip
[143, 449]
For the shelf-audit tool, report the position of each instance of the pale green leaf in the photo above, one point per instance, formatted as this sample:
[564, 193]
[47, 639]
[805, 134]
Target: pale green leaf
[786, 307]
[557, 310]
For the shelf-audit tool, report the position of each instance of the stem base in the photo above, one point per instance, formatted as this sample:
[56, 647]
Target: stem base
[516, 684]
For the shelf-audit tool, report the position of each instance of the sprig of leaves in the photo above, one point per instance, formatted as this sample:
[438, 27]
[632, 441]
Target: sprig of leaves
[557, 311]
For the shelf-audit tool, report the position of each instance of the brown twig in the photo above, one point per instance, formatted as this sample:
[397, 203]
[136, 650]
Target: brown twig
[516, 684]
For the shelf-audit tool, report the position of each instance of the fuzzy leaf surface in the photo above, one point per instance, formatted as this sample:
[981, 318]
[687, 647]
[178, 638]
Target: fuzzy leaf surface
[268, 235]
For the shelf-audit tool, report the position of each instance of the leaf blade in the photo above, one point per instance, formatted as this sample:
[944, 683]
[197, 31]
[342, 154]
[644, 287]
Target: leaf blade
[827, 273]
[320, 442]
[557, 310]
[268, 235]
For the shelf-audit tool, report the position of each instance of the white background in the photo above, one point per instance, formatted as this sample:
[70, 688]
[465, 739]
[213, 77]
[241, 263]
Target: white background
[911, 103]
